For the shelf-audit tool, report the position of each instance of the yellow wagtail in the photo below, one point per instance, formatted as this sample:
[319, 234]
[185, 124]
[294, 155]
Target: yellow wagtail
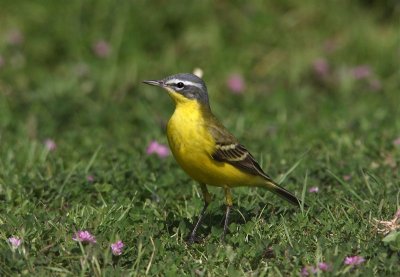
[206, 150]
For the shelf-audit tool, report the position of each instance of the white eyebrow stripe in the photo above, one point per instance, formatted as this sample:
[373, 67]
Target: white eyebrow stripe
[186, 83]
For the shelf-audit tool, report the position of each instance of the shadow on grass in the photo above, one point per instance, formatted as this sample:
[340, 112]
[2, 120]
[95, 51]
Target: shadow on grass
[214, 217]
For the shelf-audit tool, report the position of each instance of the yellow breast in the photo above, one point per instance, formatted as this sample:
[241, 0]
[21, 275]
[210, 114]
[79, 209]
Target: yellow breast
[192, 146]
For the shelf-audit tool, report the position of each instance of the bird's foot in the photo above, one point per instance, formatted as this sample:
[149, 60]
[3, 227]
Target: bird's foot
[193, 239]
[223, 239]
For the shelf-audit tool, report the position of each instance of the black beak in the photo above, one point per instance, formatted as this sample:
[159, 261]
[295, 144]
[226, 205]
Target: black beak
[154, 83]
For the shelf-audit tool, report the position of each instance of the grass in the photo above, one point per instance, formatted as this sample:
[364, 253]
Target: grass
[329, 130]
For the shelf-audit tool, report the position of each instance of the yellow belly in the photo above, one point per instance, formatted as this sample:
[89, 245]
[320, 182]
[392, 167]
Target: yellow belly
[192, 147]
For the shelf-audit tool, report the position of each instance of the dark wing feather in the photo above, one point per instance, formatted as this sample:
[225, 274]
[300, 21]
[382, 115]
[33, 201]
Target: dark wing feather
[238, 156]
[229, 150]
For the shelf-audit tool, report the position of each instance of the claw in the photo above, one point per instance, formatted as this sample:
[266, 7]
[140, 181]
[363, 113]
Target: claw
[193, 239]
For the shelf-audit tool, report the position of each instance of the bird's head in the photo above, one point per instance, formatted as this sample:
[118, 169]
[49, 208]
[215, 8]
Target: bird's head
[183, 88]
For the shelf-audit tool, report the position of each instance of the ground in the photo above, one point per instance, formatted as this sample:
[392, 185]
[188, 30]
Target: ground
[310, 89]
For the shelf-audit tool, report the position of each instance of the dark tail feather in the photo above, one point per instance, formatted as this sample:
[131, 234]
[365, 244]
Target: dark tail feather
[283, 193]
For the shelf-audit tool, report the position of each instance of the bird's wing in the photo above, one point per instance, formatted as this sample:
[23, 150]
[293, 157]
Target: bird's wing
[229, 150]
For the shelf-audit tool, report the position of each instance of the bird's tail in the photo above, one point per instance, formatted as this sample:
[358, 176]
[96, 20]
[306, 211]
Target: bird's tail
[281, 192]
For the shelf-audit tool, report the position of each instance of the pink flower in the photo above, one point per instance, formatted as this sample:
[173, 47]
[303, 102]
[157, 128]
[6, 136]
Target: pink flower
[324, 266]
[50, 144]
[354, 260]
[15, 242]
[396, 142]
[304, 271]
[346, 177]
[84, 236]
[157, 148]
[313, 189]
[361, 72]
[102, 49]
[116, 248]
[321, 67]
[330, 45]
[15, 37]
[307, 270]
[389, 160]
[236, 83]
[375, 85]
[90, 178]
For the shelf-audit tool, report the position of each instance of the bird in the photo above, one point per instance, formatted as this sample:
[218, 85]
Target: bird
[206, 150]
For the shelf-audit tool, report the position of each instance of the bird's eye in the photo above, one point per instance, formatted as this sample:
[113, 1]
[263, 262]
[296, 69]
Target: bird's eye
[180, 85]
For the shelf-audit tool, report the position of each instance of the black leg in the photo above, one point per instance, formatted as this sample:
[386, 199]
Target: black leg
[192, 238]
[207, 199]
[226, 223]
[229, 203]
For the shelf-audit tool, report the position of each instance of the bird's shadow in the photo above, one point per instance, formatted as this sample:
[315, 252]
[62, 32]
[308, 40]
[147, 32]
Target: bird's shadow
[213, 221]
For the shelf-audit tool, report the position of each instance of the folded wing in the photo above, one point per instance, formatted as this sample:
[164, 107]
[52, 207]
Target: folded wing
[229, 150]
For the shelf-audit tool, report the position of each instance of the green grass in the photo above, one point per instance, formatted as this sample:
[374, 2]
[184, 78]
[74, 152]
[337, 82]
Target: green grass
[102, 118]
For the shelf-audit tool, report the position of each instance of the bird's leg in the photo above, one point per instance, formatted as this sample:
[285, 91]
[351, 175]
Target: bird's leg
[207, 199]
[229, 204]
